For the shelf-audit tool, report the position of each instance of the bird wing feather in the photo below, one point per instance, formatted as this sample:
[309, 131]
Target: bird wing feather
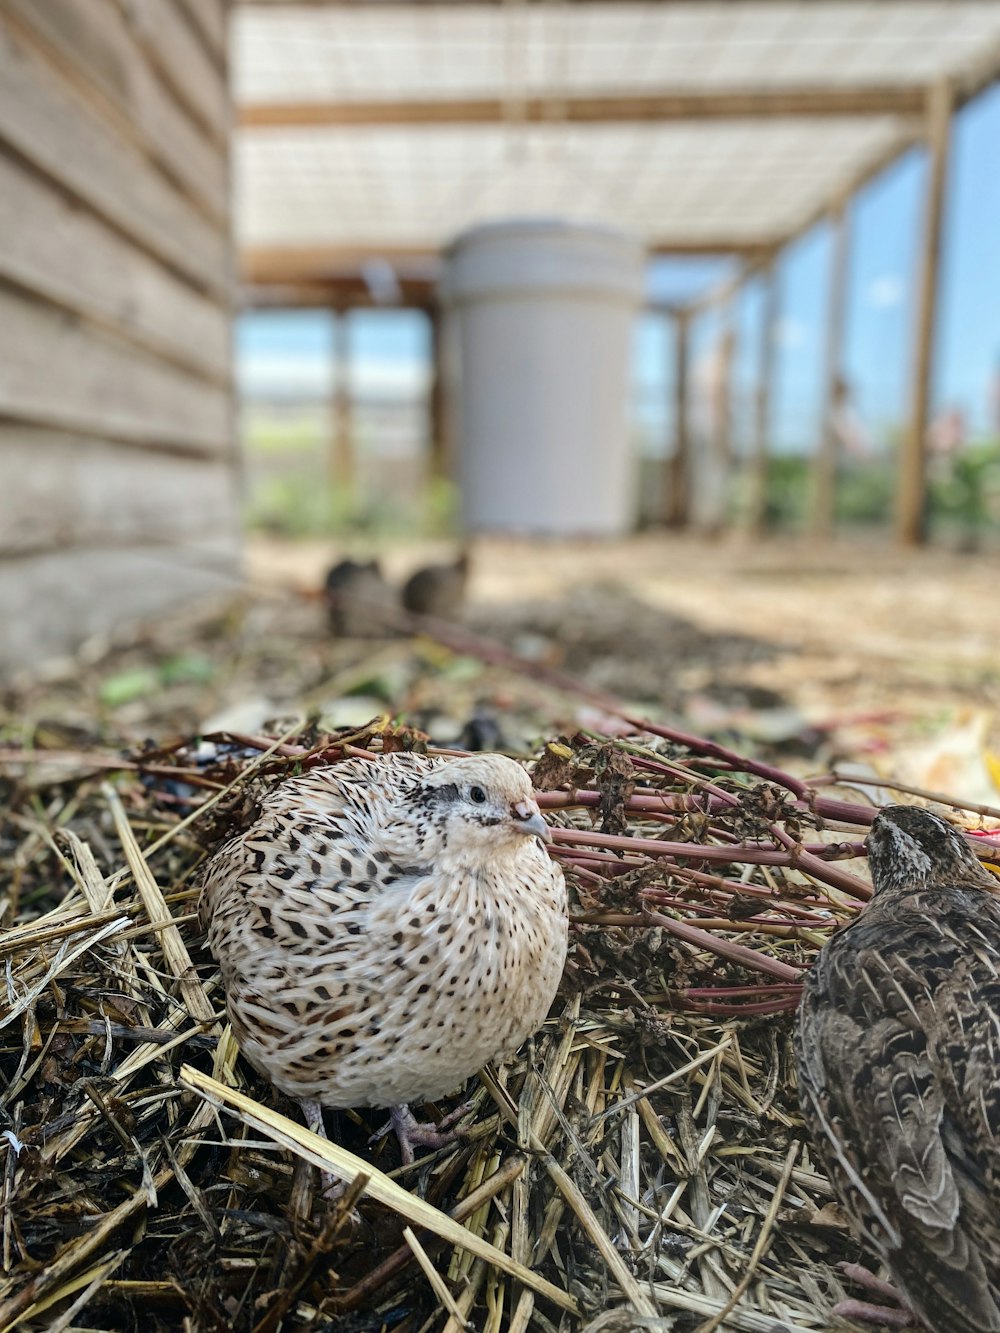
[899, 1049]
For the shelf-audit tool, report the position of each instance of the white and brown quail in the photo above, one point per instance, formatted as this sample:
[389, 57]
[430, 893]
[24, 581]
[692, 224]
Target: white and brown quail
[385, 928]
[898, 1049]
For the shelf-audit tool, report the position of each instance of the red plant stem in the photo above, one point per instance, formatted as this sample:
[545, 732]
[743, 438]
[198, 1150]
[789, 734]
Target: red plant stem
[680, 1001]
[644, 802]
[813, 861]
[783, 929]
[732, 992]
[652, 803]
[733, 953]
[590, 858]
[584, 873]
[699, 745]
[695, 851]
[730, 888]
[841, 780]
[709, 920]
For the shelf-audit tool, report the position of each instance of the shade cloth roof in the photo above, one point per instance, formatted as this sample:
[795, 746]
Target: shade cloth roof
[384, 129]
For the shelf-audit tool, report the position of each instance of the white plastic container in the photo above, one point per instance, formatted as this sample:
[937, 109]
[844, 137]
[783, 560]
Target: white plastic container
[541, 315]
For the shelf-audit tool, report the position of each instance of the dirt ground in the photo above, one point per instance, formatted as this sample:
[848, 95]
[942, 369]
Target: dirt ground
[852, 657]
[891, 657]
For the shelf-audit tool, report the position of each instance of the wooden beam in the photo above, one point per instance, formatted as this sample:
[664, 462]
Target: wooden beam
[676, 512]
[347, 293]
[716, 454]
[912, 132]
[912, 482]
[265, 265]
[738, 104]
[59, 490]
[824, 472]
[760, 456]
[438, 418]
[268, 264]
[56, 599]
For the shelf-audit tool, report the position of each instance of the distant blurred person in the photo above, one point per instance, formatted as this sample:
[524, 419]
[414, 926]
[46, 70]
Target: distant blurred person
[713, 461]
[850, 431]
[948, 432]
[994, 404]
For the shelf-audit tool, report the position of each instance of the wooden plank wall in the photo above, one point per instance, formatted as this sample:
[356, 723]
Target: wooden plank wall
[118, 463]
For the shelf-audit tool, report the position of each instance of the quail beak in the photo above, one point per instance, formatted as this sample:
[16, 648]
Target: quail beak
[527, 819]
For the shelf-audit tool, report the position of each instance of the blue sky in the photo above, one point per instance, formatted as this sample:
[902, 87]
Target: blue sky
[390, 349]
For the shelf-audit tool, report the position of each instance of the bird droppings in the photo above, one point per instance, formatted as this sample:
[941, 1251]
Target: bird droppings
[691, 926]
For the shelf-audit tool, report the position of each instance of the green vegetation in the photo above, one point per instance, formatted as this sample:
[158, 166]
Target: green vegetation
[297, 504]
[290, 490]
[290, 493]
[963, 494]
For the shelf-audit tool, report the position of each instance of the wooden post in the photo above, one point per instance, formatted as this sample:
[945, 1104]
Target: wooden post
[678, 464]
[341, 441]
[912, 493]
[759, 458]
[717, 476]
[439, 453]
[824, 472]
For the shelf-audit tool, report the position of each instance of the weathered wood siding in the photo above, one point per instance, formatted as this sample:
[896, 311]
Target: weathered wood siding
[118, 464]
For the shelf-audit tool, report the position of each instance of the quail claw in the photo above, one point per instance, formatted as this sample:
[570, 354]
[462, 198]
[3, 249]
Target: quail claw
[412, 1134]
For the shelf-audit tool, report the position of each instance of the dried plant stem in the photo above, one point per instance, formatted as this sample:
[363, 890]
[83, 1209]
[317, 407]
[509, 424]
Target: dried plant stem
[438, 1284]
[330, 1157]
[641, 1303]
[763, 1238]
[174, 949]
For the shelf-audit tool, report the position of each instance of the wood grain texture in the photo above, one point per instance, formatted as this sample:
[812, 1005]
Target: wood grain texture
[57, 371]
[210, 18]
[118, 467]
[168, 39]
[98, 50]
[118, 284]
[61, 491]
[43, 119]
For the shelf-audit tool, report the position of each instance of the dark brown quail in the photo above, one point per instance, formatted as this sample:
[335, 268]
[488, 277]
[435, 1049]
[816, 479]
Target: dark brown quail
[438, 590]
[361, 604]
[898, 1048]
[385, 928]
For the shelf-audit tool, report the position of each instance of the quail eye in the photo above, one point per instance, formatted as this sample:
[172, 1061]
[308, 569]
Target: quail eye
[477, 795]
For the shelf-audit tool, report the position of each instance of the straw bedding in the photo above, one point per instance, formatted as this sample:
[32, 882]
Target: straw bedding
[641, 1165]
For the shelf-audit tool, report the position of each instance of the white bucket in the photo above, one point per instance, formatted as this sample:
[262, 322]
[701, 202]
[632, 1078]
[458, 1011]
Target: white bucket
[541, 315]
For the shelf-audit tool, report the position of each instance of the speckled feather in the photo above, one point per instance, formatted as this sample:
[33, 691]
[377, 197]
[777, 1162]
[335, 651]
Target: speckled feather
[898, 1048]
[380, 936]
